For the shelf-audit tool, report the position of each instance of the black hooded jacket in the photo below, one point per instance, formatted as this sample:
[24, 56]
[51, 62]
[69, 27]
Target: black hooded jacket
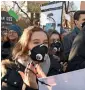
[77, 53]
[13, 80]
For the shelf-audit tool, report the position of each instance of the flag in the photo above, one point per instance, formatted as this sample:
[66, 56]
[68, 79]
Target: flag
[13, 14]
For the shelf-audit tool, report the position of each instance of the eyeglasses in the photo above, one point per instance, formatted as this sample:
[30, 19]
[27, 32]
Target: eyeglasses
[12, 32]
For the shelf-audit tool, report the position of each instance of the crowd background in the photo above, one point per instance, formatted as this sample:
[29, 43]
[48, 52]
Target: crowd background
[60, 52]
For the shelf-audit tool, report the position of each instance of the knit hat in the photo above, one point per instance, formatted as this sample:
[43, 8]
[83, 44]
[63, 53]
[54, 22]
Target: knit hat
[15, 28]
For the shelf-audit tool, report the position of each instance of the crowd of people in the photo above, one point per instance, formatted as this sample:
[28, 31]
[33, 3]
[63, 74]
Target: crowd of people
[35, 53]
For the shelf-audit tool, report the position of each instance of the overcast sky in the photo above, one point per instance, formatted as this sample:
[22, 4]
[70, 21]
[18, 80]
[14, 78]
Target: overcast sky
[77, 3]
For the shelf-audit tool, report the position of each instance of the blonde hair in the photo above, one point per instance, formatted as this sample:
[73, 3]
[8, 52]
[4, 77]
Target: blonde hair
[21, 47]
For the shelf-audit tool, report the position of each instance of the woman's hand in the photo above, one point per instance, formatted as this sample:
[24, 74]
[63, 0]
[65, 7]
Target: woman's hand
[29, 77]
[65, 66]
[40, 73]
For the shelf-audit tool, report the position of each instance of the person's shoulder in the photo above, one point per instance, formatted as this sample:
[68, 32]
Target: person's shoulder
[7, 64]
[66, 37]
[6, 44]
[10, 75]
[80, 36]
[69, 34]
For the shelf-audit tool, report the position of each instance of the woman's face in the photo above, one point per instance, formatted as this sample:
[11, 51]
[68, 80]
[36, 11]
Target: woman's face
[12, 35]
[54, 37]
[38, 38]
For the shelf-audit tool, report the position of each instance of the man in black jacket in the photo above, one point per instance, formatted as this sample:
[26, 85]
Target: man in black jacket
[77, 54]
[79, 18]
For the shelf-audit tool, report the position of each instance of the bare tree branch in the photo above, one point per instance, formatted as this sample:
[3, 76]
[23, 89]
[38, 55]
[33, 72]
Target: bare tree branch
[22, 10]
[5, 6]
[21, 5]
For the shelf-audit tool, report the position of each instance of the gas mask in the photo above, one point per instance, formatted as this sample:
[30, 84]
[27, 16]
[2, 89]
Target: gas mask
[38, 53]
[55, 47]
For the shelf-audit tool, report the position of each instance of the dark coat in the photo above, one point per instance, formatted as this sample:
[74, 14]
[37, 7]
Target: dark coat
[77, 54]
[14, 80]
[68, 40]
[6, 50]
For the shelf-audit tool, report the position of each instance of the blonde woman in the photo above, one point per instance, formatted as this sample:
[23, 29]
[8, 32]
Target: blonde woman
[20, 75]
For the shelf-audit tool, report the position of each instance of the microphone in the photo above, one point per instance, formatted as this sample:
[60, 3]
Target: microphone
[38, 53]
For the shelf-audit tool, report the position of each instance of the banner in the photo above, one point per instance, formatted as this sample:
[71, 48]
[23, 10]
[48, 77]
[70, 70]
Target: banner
[74, 80]
[51, 13]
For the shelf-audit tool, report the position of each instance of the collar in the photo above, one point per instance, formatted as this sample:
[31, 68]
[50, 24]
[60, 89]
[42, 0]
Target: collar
[76, 30]
[20, 67]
